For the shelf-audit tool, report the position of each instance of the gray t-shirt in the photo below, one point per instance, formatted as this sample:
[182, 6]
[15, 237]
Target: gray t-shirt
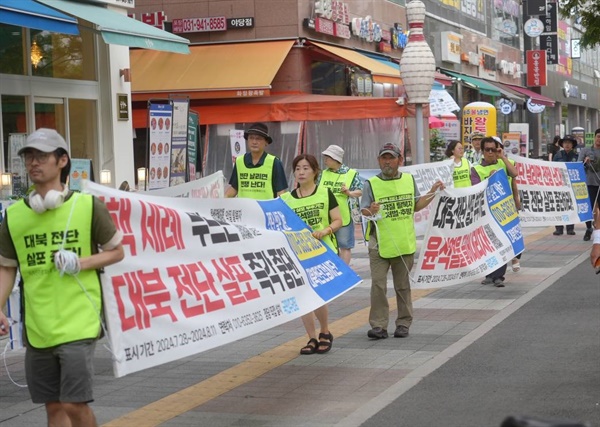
[592, 168]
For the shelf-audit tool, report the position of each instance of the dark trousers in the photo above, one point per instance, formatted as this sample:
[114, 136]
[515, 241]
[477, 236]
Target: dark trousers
[498, 274]
[560, 228]
[593, 192]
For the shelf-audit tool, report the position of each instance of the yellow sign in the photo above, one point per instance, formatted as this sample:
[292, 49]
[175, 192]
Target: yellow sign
[478, 117]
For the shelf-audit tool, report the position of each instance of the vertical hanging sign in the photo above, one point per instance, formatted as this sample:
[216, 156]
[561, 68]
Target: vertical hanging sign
[179, 160]
[160, 118]
[536, 68]
[192, 144]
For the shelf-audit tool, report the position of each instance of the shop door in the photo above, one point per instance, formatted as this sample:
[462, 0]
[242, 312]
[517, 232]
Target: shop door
[50, 113]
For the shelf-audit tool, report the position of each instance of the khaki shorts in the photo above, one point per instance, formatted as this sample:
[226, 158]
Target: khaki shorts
[61, 374]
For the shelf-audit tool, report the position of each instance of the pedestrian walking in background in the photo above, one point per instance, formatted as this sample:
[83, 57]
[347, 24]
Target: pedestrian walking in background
[345, 184]
[567, 154]
[462, 167]
[390, 200]
[318, 208]
[257, 174]
[590, 156]
[493, 160]
[475, 155]
[553, 148]
[61, 286]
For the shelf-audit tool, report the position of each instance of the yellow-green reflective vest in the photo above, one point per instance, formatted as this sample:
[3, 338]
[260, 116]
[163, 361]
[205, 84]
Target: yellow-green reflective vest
[334, 181]
[396, 229]
[314, 211]
[255, 183]
[57, 310]
[462, 174]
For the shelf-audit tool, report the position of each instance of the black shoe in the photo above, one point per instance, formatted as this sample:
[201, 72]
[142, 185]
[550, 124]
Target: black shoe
[571, 232]
[588, 234]
[558, 233]
[499, 283]
[377, 333]
[401, 332]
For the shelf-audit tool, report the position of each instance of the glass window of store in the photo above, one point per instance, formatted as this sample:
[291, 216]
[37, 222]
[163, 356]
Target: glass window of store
[28, 53]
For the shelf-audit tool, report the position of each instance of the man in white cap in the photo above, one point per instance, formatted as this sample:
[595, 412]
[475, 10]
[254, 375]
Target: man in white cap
[257, 174]
[345, 185]
[59, 240]
[391, 198]
[474, 155]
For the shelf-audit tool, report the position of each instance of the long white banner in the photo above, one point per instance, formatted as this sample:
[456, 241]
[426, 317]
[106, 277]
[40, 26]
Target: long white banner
[471, 232]
[200, 275]
[210, 187]
[552, 193]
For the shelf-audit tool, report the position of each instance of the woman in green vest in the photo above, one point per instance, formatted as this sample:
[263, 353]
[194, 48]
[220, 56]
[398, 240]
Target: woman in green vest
[462, 167]
[324, 219]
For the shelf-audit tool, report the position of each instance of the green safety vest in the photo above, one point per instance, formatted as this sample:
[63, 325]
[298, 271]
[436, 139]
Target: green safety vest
[462, 174]
[255, 183]
[484, 172]
[57, 310]
[396, 229]
[314, 211]
[334, 181]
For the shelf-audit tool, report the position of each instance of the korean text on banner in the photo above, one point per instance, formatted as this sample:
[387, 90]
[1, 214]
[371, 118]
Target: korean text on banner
[197, 276]
[472, 232]
[209, 187]
[552, 193]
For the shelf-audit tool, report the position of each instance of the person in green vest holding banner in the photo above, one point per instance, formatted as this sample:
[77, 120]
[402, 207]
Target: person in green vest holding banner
[318, 208]
[461, 174]
[59, 240]
[494, 159]
[257, 175]
[390, 200]
[345, 185]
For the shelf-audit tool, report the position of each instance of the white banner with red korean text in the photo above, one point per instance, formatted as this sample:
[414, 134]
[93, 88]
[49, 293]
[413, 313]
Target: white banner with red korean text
[199, 275]
[209, 187]
[472, 232]
[552, 193]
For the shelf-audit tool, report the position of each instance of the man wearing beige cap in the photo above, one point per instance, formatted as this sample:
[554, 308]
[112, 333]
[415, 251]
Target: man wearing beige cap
[59, 240]
[391, 198]
[475, 154]
[345, 185]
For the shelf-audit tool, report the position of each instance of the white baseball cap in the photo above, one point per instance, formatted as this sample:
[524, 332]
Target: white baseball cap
[46, 140]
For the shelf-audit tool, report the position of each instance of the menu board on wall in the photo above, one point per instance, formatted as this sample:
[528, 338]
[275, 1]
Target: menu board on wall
[159, 138]
[179, 161]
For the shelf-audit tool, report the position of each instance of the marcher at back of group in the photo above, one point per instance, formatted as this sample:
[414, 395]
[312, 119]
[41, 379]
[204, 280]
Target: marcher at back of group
[567, 154]
[345, 184]
[590, 156]
[475, 154]
[462, 167]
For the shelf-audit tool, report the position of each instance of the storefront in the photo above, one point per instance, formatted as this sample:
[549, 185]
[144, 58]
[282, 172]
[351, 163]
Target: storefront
[65, 65]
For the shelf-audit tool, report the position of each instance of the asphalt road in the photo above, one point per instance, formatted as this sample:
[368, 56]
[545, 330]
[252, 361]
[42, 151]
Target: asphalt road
[542, 361]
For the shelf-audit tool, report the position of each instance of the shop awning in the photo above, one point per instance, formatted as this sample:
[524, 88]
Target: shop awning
[382, 73]
[535, 97]
[482, 86]
[119, 29]
[282, 108]
[236, 70]
[443, 79]
[29, 14]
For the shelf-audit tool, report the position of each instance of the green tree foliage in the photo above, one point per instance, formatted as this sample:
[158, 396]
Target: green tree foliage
[587, 13]
[437, 146]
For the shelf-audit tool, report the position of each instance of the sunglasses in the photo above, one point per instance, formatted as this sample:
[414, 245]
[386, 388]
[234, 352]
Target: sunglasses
[490, 149]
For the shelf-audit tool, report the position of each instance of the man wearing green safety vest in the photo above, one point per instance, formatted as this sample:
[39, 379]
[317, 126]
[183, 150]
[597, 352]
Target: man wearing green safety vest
[345, 184]
[391, 198]
[494, 159]
[257, 174]
[59, 240]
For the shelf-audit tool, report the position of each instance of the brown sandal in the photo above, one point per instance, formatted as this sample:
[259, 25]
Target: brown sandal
[327, 344]
[310, 347]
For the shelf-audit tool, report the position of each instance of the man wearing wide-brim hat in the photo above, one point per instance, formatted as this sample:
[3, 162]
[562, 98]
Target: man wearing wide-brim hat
[257, 174]
[346, 186]
[567, 154]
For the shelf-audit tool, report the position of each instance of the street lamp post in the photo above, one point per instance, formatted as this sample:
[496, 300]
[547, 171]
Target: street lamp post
[417, 69]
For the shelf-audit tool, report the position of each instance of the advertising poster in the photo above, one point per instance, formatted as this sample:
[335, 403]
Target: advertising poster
[512, 143]
[159, 164]
[179, 159]
[478, 117]
[192, 144]
[238, 144]
[196, 275]
[16, 166]
[523, 129]
[80, 169]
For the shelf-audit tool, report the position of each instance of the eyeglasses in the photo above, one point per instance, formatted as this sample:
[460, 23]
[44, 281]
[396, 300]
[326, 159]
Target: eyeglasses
[39, 156]
[490, 149]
